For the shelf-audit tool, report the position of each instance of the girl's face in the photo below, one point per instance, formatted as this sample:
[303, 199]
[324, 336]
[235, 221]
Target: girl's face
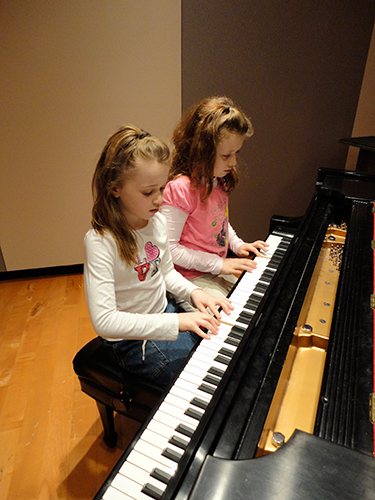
[142, 192]
[226, 153]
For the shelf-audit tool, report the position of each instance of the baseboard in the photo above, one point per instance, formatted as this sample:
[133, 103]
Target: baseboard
[41, 272]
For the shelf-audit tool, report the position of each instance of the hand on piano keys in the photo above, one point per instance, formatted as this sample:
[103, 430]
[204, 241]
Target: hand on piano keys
[153, 460]
[242, 263]
[258, 248]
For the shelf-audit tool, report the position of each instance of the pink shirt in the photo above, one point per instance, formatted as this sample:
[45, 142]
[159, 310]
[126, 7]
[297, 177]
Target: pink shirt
[206, 226]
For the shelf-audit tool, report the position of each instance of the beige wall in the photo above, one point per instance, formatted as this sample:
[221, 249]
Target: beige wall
[72, 72]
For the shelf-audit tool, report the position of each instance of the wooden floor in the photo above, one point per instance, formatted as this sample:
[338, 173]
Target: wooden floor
[51, 443]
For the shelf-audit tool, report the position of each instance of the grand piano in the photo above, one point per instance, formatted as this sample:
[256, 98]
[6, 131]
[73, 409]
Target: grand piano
[280, 405]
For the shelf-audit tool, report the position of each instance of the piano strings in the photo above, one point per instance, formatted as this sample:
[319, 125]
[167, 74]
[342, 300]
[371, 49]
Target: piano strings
[296, 398]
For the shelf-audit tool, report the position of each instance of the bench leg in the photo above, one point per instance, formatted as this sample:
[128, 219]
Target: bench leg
[106, 415]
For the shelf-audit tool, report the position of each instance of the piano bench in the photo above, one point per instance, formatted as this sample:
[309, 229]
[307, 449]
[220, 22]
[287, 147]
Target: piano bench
[113, 388]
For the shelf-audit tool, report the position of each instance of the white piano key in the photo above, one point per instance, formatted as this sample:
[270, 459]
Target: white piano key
[129, 487]
[131, 474]
[158, 440]
[152, 451]
[209, 349]
[163, 429]
[130, 470]
[220, 342]
[207, 361]
[178, 413]
[114, 494]
[238, 309]
[146, 463]
[188, 391]
[223, 332]
[196, 364]
[177, 401]
[244, 296]
[193, 375]
[241, 321]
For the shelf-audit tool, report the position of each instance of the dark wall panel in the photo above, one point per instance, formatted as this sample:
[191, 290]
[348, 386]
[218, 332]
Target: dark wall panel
[296, 69]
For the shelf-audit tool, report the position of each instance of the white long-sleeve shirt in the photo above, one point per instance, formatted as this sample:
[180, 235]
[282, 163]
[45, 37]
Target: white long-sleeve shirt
[127, 302]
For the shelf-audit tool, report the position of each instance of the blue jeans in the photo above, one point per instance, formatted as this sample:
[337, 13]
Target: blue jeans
[162, 359]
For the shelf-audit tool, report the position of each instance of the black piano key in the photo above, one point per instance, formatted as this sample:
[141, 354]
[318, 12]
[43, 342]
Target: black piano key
[248, 308]
[185, 430]
[222, 359]
[265, 281]
[216, 371]
[161, 475]
[179, 442]
[261, 288]
[254, 300]
[237, 331]
[231, 341]
[273, 263]
[226, 352]
[172, 455]
[190, 412]
[199, 403]
[235, 335]
[246, 316]
[152, 491]
[207, 388]
[268, 275]
[276, 259]
[211, 380]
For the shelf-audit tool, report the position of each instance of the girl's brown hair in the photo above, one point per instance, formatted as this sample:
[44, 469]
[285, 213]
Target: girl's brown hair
[197, 136]
[116, 163]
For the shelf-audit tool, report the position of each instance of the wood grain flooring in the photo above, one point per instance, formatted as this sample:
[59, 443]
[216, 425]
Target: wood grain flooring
[51, 444]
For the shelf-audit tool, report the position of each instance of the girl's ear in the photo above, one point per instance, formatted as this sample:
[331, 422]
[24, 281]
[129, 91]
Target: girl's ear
[115, 193]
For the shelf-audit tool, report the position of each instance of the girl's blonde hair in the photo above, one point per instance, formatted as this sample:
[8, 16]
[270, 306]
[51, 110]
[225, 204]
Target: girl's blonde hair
[197, 136]
[117, 162]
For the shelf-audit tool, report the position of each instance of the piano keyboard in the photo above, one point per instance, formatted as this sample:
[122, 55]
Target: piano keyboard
[154, 458]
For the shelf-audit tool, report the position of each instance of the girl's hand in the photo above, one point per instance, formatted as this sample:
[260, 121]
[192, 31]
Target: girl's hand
[246, 248]
[203, 300]
[196, 321]
[236, 266]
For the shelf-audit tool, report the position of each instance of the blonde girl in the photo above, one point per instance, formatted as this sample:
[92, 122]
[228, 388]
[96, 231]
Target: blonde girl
[128, 267]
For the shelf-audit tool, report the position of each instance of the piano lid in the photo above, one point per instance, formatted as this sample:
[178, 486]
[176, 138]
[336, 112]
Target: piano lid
[305, 467]
[350, 184]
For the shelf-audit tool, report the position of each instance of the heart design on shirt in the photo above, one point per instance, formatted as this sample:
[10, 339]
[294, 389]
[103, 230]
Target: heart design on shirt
[152, 251]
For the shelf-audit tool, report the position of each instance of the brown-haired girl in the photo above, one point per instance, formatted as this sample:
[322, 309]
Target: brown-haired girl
[128, 267]
[203, 174]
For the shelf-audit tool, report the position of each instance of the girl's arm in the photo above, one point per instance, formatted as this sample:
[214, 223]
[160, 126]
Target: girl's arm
[234, 242]
[186, 257]
[181, 287]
